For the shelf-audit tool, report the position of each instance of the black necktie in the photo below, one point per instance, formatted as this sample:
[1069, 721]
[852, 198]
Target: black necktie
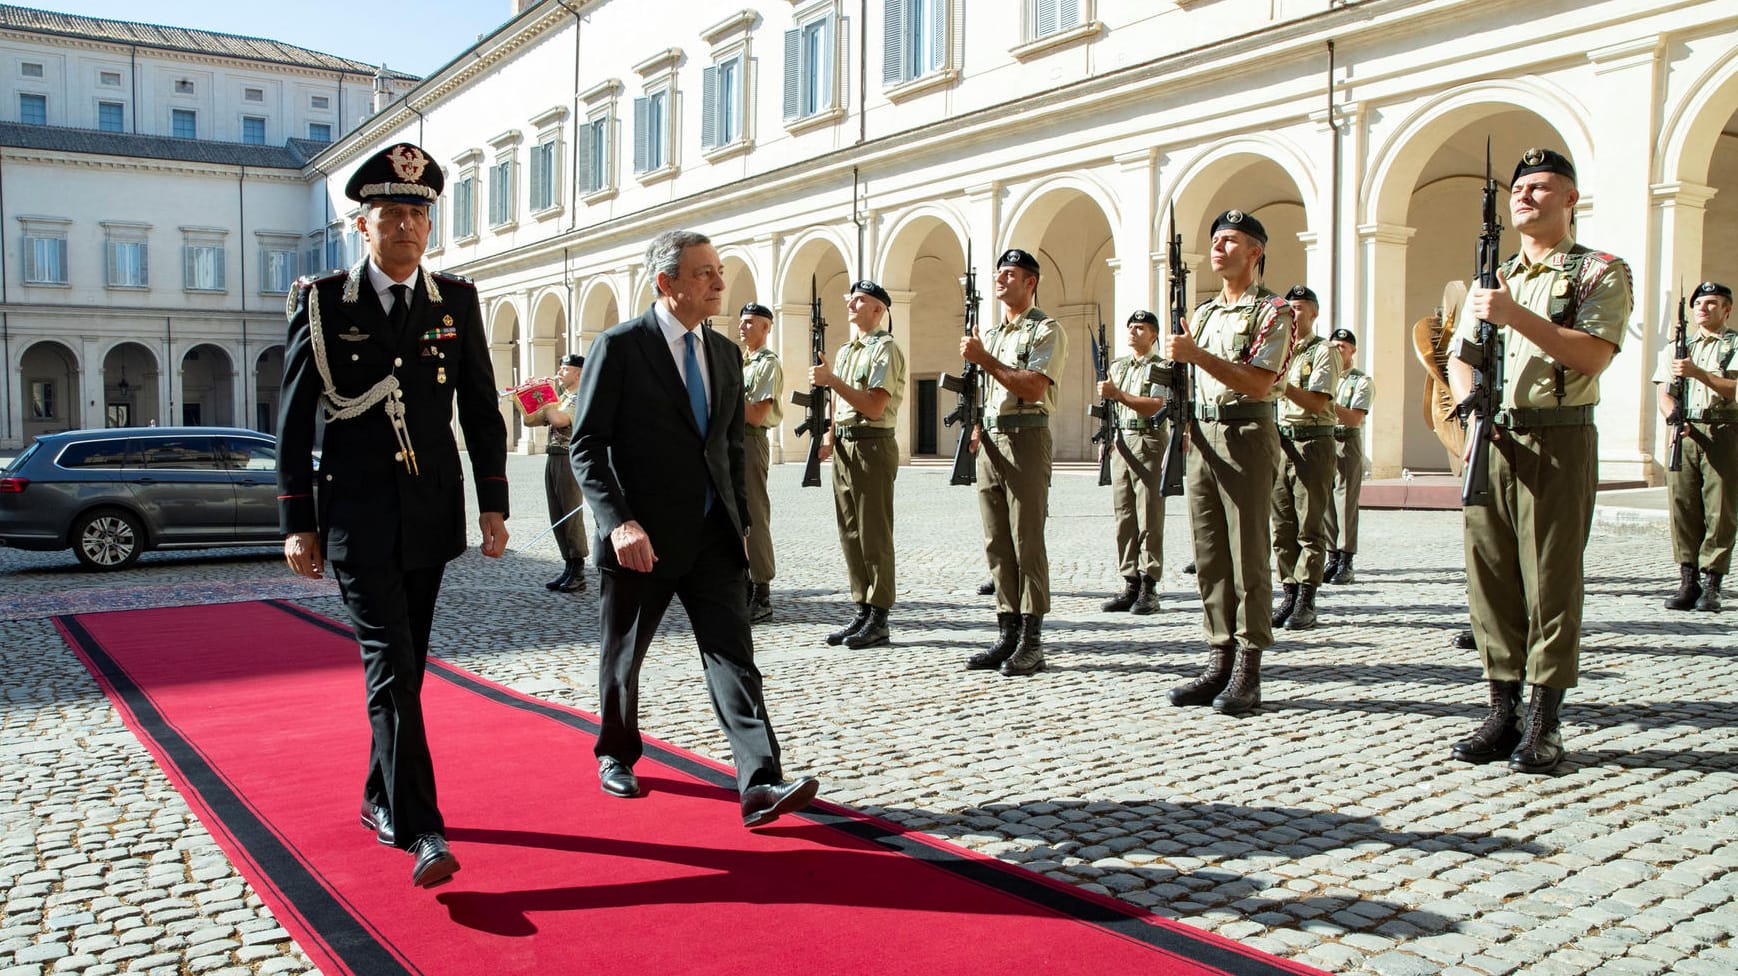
[400, 313]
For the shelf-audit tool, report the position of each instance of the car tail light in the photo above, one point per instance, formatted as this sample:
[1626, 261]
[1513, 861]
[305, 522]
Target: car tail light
[12, 486]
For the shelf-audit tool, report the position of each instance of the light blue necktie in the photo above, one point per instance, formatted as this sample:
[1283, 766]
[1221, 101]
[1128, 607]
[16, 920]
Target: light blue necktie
[696, 388]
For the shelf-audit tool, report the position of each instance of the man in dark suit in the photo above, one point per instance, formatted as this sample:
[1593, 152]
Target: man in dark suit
[657, 449]
[384, 350]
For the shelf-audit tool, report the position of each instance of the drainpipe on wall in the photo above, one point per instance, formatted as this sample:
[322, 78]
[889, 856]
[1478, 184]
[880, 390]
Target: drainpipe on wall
[170, 368]
[573, 191]
[241, 251]
[1334, 207]
[5, 326]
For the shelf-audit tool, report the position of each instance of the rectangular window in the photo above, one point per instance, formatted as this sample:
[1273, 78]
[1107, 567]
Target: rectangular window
[1048, 17]
[111, 117]
[465, 207]
[111, 79]
[651, 131]
[434, 225]
[545, 174]
[501, 192]
[41, 400]
[253, 94]
[183, 87]
[253, 130]
[184, 123]
[592, 153]
[721, 103]
[320, 102]
[204, 267]
[45, 260]
[335, 248]
[33, 109]
[915, 43]
[809, 68]
[30, 69]
[320, 131]
[128, 264]
[277, 270]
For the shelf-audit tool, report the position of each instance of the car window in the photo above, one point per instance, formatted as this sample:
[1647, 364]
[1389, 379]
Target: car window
[114, 453]
[246, 454]
[181, 453]
[18, 462]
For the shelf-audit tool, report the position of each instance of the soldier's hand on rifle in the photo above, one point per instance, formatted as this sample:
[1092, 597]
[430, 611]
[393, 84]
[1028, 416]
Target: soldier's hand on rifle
[972, 351]
[1494, 305]
[1107, 390]
[1689, 370]
[821, 375]
[825, 451]
[973, 444]
[1179, 348]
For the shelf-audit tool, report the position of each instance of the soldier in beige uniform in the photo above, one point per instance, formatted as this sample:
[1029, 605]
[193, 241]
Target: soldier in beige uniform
[558, 482]
[868, 384]
[1021, 358]
[1704, 489]
[1561, 311]
[1238, 342]
[1304, 490]
[1136, 454]
[1352, 399]
[763, 384]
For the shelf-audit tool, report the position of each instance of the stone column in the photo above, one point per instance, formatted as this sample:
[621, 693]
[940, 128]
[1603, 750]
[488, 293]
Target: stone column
[1382, 317]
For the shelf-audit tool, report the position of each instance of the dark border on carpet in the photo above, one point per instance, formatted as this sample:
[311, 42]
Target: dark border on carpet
[340, 932]
[1128, 922]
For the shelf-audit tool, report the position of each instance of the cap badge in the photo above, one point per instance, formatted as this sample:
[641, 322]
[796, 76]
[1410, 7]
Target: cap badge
[408, 162]
[1234, 216]
[1533, 157]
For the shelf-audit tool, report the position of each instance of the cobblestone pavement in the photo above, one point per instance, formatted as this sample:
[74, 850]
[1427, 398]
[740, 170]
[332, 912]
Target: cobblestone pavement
[1327, 828]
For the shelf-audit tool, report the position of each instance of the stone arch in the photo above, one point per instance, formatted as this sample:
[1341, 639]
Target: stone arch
[1263, 175]
[1697, 178]
[207, 386]
[48, 371]
[740, 288]
[921, 262]
[599, 308]
[132, 381]
[504, 358]
[548, 332]
[268, 376]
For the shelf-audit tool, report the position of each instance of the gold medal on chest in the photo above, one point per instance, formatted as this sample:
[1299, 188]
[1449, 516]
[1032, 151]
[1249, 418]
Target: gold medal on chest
[447, 320]
[1561, 288]
[440, 374]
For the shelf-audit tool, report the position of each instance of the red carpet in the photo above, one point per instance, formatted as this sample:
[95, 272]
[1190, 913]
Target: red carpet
[255, 712]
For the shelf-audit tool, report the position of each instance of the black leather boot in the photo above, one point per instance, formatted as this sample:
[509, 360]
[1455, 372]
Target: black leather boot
[1333, 565]
[759, 603]
[837, 637]
[1501, 731]
[1243, 694]
[1007, 635]
[1209, 683]
[987, 588]
[1131, 588]
[1710, 598]
[1190, 567]
[1148, 600]
[575, 579]
[555, 585]
[1465, 641]
[1029, 652]
[1283, 612]
[1541, 746]
[1303, 615]
[873, 633]
[1342, 571]
[1689, 590]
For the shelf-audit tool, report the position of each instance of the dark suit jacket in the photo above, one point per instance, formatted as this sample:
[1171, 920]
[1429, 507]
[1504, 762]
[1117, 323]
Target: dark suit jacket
[368, 509]
[636, 448]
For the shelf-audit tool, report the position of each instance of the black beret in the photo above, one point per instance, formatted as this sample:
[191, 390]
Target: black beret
[1019, 259]
[1343, 335]
[755, 308]
[573, 359]
[1711, 288]
[1301, 293]
[401, 173]
[1544, 161]
[1240, 221]
[1144, 317]
[873, 290]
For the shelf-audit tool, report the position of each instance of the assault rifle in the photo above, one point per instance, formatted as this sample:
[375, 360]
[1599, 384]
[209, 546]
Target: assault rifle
[1678, 420]
[818, 399]
[1484, 353]
[1103, 411]
[1181, 403]
[969, 412]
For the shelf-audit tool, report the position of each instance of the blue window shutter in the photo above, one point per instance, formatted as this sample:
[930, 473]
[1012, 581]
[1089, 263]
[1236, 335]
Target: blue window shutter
[111, 261]
[826, 71]
[793, 73]
[189, 274]
[1069, 15]
[893, 43]
[144, 264]
[709, 107]
[583, 158]
[938, 11]
[222, 266]
[1047, 18]
[642, 133]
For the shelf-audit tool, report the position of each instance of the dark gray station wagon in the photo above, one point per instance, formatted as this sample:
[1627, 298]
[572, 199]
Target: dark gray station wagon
[112, 494]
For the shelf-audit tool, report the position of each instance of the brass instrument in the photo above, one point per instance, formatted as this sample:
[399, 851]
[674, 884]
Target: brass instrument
[533, 394]
[1431, 338]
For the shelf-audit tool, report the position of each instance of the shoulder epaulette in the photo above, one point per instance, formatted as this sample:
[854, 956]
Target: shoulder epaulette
[1203, 303]
[457, 279]
[308, 279]
[1278, 302]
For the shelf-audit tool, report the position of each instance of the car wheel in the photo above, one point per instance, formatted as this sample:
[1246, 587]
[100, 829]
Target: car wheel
[107, 538]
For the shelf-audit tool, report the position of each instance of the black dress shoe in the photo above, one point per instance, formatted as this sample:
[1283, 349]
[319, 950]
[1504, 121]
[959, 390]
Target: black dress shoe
[762, 805]
[617, 778]
[434, 863]
[378, 818]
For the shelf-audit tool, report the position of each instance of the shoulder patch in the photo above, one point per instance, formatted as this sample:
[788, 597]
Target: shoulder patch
[1278, 302]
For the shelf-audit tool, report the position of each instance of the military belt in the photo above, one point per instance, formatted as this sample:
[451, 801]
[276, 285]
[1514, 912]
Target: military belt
[1016, 420]
[552, 449]
[1233, 411]
[1711, 417]
[1523, 418]
[1347, 433]
[861, 433]
[754, 431]
[1305, 433]
[1138, 425]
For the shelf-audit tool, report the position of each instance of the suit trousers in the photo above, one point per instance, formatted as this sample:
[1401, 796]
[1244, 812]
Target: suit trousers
[1348, 484]
[1302, 496]
[1135, 500]
[632, 604]
[756, 463]
[1524, 550]
[1704, 497]
[863, 473]
[564, 496]
[1014, 502]
[1232, 467]
[392, 614]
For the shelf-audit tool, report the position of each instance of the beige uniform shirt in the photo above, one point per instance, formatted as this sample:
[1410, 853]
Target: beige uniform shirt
[1718, 354]
[1031, 342]
[1530, 377]
[1255, 331]
[764, 379]
[1315, 368]
[1356, 391]
[1131, 375]
[870, 362]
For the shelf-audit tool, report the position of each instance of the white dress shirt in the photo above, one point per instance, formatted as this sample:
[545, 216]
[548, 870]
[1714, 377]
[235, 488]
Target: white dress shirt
[673, 333]
[382, 284]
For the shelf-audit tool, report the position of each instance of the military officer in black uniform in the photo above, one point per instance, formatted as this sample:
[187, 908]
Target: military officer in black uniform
[383, 351]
